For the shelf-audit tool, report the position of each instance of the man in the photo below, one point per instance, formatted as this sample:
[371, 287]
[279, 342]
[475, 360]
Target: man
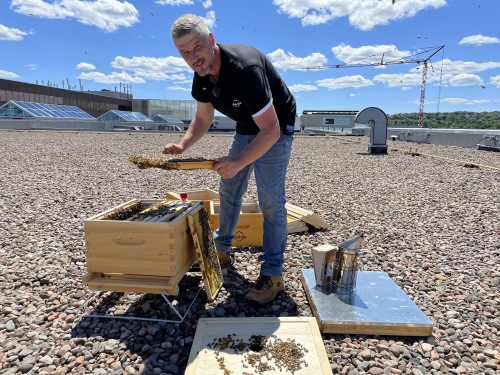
[240, 82]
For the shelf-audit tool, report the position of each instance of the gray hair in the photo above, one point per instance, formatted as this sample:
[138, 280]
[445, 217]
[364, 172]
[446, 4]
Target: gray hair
[187, 24]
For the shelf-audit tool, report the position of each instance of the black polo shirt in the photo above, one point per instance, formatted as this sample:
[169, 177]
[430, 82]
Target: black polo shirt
[247, 83]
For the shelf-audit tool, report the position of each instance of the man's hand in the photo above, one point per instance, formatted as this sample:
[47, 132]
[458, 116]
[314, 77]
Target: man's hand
[227, 167]
[174, 148]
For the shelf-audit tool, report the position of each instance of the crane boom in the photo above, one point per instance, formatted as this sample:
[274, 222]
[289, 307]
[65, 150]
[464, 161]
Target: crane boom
[406, 60]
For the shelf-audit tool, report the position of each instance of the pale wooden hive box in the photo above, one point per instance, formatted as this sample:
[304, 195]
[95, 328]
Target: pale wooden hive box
[194, 195]
[248, 232]
[143, 257]
[250, 223]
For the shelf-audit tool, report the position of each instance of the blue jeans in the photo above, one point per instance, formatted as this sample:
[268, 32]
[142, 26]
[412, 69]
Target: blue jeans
[270, 175]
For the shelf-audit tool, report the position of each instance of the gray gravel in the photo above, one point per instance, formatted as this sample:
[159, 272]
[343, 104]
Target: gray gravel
[433, 225]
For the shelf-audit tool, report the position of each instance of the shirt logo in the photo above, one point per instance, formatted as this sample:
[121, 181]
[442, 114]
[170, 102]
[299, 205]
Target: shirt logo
[236, 103]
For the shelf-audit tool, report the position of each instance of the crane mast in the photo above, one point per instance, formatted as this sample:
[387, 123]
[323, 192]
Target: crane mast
[422, 96]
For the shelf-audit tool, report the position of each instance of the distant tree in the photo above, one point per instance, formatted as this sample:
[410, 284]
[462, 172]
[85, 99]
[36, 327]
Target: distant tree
[448, 120]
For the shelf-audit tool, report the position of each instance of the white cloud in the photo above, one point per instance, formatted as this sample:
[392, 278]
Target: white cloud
[174, 2]
[462, 101]
[8, 75]
[399, 80]
[114, 77]
[108, 15]
[465, 79]
[179, 78]
[450, 69]
[151, 67]
[302, 87]
[356, 81]
[363, 14]
[10, 33]
[495, 81]
[446, 73]
[285, 61]
[206, 4]
[179, 88]
[210, 19]
[32, 66]
[85, 66]
[316, 18]
[478, 40]
[369, 54]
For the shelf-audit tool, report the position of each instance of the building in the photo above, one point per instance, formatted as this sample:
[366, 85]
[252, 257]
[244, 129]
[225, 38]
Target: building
[327, 120]
[182, 109]
[95, 105]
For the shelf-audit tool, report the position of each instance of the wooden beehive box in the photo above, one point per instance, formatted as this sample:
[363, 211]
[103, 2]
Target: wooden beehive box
[143, 257]
[207, 358]
[249, 231]
[194, 195]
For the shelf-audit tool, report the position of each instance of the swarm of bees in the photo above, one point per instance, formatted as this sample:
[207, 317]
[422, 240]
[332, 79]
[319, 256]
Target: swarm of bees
[261, 353]
[123, 213]
[137, 211]
[162, 161]
[211, 252]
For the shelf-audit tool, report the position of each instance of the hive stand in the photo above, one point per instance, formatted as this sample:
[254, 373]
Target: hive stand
[81, 310]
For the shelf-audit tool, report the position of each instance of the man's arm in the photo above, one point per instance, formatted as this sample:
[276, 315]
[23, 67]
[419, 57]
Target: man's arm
[268, 135]
[197, 129]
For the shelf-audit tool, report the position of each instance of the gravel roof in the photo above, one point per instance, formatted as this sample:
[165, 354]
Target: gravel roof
[432, 224]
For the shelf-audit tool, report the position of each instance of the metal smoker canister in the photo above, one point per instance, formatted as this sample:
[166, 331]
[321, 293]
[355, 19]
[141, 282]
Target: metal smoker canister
[346, 266]
[346, 272]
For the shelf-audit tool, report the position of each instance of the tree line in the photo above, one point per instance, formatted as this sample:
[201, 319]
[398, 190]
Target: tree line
[449, 120]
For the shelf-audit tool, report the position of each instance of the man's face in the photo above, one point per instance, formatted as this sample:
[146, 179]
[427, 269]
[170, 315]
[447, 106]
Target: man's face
[197, 52]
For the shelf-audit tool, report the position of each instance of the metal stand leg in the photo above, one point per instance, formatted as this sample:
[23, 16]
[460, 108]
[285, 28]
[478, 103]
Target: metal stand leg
[164, 294]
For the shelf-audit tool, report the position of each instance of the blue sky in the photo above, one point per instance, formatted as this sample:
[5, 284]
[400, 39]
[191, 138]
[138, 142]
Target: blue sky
[105, 44]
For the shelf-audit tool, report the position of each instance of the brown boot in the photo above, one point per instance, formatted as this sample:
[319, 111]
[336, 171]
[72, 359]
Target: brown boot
[265, 289]
[224, 259]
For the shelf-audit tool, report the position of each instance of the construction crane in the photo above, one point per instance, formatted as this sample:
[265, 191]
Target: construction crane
[411, 59]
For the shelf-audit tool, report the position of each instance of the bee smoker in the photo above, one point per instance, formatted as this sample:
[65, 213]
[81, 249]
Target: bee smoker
[336, 268]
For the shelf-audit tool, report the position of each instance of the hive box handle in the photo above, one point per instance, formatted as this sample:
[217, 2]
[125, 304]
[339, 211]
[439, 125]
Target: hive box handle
[128, 241]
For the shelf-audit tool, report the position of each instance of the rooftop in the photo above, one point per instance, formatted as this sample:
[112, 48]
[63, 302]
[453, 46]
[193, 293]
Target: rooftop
[430, 222]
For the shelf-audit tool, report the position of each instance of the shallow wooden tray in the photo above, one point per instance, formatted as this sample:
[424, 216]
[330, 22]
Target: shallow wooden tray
[202, 359]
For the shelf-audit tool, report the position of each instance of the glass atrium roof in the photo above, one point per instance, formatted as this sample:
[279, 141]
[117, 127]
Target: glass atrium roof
[115, 115]
[16, 109]
[167, 119]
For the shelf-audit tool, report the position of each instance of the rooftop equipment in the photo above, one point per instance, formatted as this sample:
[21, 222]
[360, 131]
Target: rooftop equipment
[377, 120]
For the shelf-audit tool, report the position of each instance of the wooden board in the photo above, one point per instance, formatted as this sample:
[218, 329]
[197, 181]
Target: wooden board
[207, 164]
[305, 331]
[307, 216]
[295, 225]
[135, 283]
[206, 253]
